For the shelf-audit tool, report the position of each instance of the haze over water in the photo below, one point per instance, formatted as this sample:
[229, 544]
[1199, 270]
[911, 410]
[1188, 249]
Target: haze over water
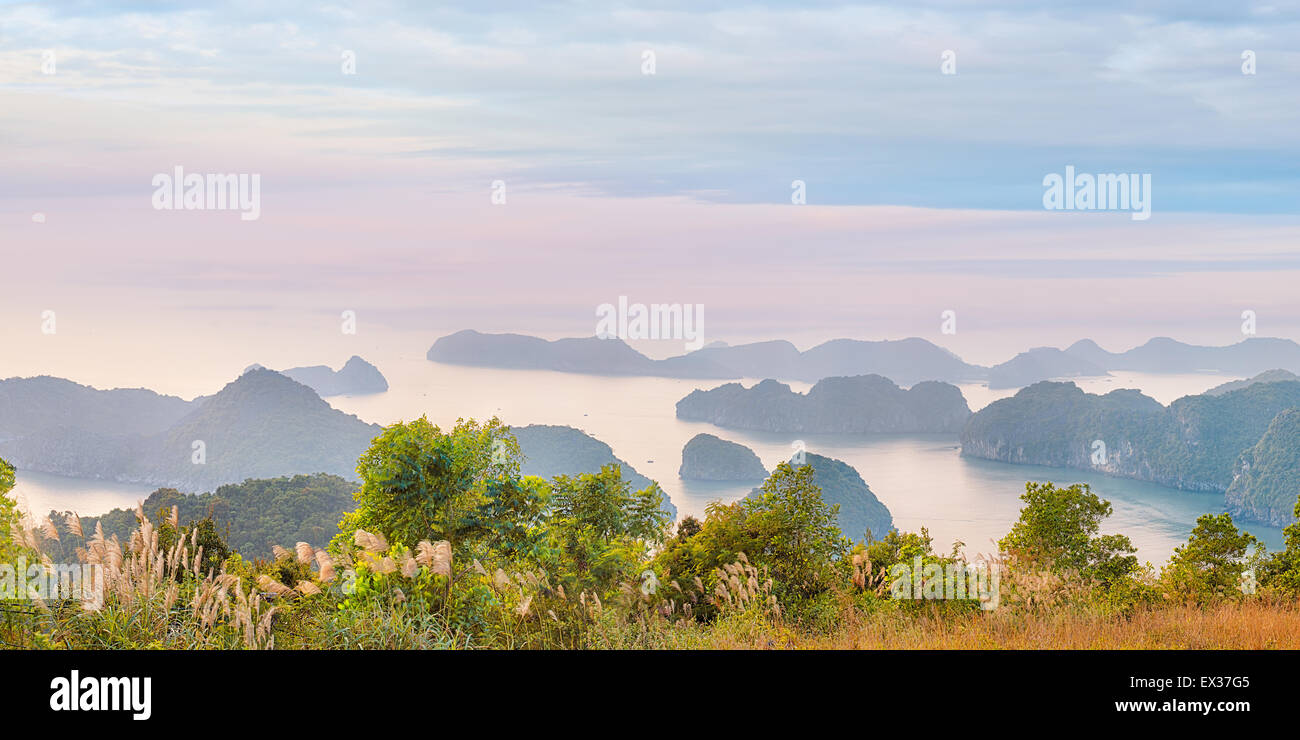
[922, 479]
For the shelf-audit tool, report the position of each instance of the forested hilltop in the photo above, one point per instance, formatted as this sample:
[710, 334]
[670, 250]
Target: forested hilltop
[252, 517]
[1267, 476]
[260, 425]
[1196, 443]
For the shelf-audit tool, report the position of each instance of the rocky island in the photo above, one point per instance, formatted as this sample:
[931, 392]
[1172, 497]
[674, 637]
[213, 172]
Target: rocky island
[862, 404]
[707, 457]
[1197, 443]
[357, 377]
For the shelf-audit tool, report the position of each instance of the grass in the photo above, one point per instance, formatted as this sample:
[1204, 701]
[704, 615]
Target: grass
[1247, 625]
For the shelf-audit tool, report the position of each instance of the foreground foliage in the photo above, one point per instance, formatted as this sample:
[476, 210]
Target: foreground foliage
[450, 547]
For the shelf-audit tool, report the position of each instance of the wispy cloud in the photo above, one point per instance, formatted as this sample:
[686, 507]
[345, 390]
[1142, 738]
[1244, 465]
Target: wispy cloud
[746, 96]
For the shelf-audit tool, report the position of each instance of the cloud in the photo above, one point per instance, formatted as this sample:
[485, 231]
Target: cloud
[746, 96]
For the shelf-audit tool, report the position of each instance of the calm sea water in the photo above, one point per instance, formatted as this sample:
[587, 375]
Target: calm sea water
[922, 479]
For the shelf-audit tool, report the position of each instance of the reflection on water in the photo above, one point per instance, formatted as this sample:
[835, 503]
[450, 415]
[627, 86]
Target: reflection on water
[39, 493]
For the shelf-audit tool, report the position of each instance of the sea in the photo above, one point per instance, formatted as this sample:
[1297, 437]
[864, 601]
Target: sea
[923, 479]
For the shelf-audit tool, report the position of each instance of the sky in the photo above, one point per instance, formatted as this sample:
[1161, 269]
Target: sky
[650, 151]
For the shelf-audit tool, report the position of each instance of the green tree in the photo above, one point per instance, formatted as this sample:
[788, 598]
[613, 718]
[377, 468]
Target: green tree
[419, 483]
[1282, 571]
[784, 526]
[1210, 566]
[9, 514]
[599, 529]
[1057, 531]
[201, 533]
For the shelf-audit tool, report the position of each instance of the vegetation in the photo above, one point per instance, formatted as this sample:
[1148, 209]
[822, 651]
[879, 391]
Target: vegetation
[859, 513]
[1197, 443]
[1267, 476]
[449, 546]
[252, 516]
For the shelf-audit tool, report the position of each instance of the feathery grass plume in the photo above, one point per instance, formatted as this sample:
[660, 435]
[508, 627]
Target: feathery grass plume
[279, 553]
[523, 608]
[369, 541]
[29, 539]
[424, 553]
[409, 566]
[308, 588]
[326, 566]
[267, 583]
[264, 626]
[49, 530]
[441, 561]
[398, 595]
[175, 518]
[305, 553]
[385, 565]
[116, 560]
[500, 579]
[74, 525]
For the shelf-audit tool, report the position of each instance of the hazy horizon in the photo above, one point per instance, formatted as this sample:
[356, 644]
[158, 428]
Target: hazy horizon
[804, 174]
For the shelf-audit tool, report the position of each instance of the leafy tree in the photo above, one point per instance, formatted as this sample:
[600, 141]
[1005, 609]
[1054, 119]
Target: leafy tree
[215, 549]
[599, 529]
[419, 483]
[605, 503]
[899, 547]
[1282, 571]
[6, 477]
[786, 526]
[1057, 530]
[1211, 564]
[9, 514]
[687, 528]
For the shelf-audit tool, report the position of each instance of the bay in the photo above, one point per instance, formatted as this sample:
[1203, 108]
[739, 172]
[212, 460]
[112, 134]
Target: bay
[921, 478]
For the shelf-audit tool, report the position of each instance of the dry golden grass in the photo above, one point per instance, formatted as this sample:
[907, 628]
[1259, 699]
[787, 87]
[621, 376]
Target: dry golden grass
[1250, 625]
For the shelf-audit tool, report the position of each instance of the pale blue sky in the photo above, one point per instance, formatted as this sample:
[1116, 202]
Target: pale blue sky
[924, 190]
[747, 96]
